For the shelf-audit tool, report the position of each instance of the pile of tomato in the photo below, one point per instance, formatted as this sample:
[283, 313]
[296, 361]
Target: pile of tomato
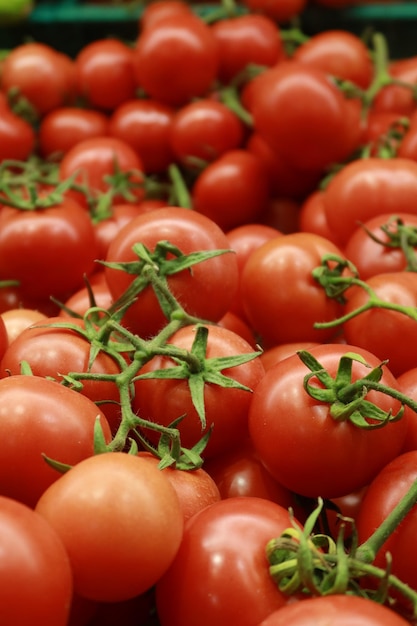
[208, 326]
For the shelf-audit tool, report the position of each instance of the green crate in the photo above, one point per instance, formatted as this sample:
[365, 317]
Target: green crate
[69, 24]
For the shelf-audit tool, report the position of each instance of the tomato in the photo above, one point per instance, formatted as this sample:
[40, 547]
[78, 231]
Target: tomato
[312, 216]
[44, 76]
[313, 137]
[104, 73]
[146, 125]
[280, 11]
[195, 488]
[16, 320]
[224, 546]
[232, 190]
[283, 350]
[244, 40]
[233, 322]
[42, 417]
[17, 136]
[48, 250]
[62, 128]
[407, 146]
[280, 297]
[336, 610]
[160, 9]
[164, 400]
[368, 187]
[203, 130]
[397, 96]
[339, 53]
[408, 385]
[384, 492]
[35, 573]
[107, 228]
[206, 292]
[99, 163]
[97, 509]
[306, 449]
[388, 334]
[80, 301]
[170, 44]
[56, 352]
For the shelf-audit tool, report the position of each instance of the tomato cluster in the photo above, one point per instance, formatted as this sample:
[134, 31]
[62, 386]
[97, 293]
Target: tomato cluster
[208, 320]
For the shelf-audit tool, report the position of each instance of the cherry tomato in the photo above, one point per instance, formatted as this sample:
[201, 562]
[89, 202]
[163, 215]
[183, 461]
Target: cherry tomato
[36, 576]
[97, 509]
[280, 11]
[16, 320]
[408, 385]
[160, 9]
[17, 136]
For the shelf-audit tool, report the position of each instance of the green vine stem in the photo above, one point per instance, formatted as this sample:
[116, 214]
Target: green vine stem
[398, 236]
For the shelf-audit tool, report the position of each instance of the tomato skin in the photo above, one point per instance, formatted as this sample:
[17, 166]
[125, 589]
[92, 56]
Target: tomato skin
[283, 350]
[232, 190]
[163, 401]
[40, 416]
[288, 313]
[180, 41]
[16, 320]
[160, 9]
[62, 128]
[280, 11]
[368, 187]
[246, 39]
[17, 136]
[116, 552]
[56, 243]
[408, 385]
[369, 330]
[306, 450]
[35, 573]
[335, 610]
[237, 585]
[206, 293]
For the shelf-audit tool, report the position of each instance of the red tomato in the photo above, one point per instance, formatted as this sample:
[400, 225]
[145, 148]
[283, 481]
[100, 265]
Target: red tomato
[368, 187]
[224, 546]
[232, 190]
[41, 416]
[272, 356]
[339, 53]
[17, 136]
[408, 385]
[16, 320]
[309, 451]
[281, 299]
[146, 125]
[80, 301]
[41, 74]
[64, 127]
[97, 509]
[108, 227]
[397, 96]
[407, 145]
[203, 130]
[312, 217]
[336, 610]
[313, 137]
[48, 250]
[206, 292]
[278, 10]
[104, 73]
[160, 9]
[233, 322]
[388, 334]
[35, 573]
[244, 40]
[164, 400]
[164, 50]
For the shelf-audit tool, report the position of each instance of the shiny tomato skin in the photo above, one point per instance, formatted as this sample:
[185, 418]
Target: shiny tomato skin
[335, 610]
[160, 9]
[17, 136]
[206, 293]
[182, 41]
[16, 320]
[97, 508]
[164, 400]
[281, 12]
[368, 187]
[237, 585]
[40, 416]
[281, 300]
[303, 446]
[35, 573]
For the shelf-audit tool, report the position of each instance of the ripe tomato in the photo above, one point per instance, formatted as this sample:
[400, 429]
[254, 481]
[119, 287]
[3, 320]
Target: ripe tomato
[278, 10]
[104, 73]
[281, 299]
[56, 243]
[408, 385]
[16, 320]
[164, 400]
[368, 187]
[336, 610]
[62, 128]
[108, 227]
[145, 125]
[224, 546]
[160, 9]
[40, 416]
[44, 76]
[203, 130]
[272, 356]
[97, 508]
[17, 136]
[35, 572]
[232, 190]
[246, 39]
[206, 292]
[306, 449]
[312, 216]
[169, 46]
